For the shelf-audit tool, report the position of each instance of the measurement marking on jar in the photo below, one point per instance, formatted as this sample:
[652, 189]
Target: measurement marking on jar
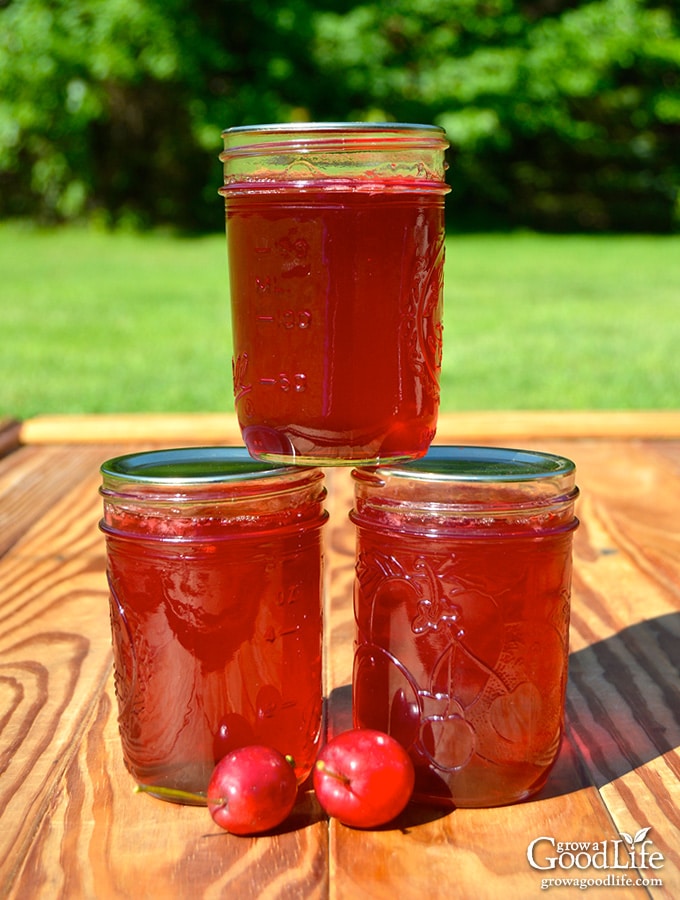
[286, 382]
[289, 318]
[292, 318]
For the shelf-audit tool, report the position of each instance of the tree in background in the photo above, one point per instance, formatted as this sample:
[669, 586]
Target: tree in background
[561, 114]
[115, 107]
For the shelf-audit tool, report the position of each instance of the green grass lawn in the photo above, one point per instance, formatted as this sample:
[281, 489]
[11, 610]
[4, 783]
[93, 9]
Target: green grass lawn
[92, 322]
[562, 322]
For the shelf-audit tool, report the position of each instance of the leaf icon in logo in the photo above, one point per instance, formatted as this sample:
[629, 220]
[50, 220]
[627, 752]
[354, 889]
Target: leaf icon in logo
[642, 834]
[639, 837]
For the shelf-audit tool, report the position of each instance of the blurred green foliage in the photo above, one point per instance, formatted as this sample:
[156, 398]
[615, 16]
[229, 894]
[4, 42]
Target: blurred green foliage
[562, 114]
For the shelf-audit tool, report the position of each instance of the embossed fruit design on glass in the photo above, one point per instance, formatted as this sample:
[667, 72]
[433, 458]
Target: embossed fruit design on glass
[335, 237]
[214, 567]
[462, 597]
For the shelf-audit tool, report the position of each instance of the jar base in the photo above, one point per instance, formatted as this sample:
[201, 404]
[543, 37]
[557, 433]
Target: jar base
[308, 448]
[330, 461]
[449, 803]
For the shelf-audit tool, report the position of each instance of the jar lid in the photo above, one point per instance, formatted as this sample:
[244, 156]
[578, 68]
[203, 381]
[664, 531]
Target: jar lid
[469, 481]
[190, 466]
[195, 494]
[481, 464]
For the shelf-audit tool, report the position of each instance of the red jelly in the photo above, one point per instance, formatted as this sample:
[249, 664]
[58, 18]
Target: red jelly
[214, 567]
[336, 252]
[462, 613]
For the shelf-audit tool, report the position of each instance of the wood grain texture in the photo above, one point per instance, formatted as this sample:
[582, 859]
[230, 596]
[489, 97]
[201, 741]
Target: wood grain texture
[167, 850]
[157, 428]
[32, 480]
[71, 827]
[54, 660]
[624, 693]
[222, 428]
[10, 430]
[528, 425]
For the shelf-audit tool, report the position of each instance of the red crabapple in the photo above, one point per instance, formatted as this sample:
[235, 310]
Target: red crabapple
[252, 789]
[363, 778]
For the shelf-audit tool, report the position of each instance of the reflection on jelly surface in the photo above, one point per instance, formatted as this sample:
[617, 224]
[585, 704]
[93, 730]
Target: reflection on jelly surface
[462, 656]
[217, 644]
[336, 302]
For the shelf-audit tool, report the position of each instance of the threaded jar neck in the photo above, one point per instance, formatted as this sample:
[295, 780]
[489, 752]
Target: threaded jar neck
[201, 493]
[469, 491]
[363, 156]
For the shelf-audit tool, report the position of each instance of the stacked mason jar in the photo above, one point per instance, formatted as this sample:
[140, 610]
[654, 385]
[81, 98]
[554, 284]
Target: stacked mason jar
[336, 239]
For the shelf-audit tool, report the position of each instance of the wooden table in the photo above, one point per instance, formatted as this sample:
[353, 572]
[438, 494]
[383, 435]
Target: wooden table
[70, 824]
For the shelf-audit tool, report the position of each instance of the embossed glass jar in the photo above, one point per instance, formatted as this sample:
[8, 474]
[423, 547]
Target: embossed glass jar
[335, 234]
[462, 598]
[214, 567]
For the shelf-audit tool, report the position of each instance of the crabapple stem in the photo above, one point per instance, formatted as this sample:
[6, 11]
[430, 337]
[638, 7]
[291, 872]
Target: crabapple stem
[177, 794]
[322, 767]
[170, 793]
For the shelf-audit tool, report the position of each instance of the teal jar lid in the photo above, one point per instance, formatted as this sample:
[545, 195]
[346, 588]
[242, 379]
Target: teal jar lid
[475, 464]
[205, 491]
[189, 466]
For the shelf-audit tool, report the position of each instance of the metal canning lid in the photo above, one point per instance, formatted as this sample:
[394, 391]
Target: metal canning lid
[475, 481]
[480, 464]
[189, 466]
[190, 495]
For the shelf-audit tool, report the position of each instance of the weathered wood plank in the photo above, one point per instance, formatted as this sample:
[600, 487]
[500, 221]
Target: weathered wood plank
[103, 841]
[54, 660]
[156, 428]
[10, 430]
[468, 853]
[460, 427]
[525, 426]
[70, 825]
[34, 479]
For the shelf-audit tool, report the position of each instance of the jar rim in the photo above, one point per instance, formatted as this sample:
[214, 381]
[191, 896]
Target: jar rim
[179, 466]
[476, 464]
[330, 139]
[281, 127]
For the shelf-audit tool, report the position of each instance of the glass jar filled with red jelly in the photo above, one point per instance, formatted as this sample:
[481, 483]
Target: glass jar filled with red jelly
[214, 567]
[335, 235]
[462, 598]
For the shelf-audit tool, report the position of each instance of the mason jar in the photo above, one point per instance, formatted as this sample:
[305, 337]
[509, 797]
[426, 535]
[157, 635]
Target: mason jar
[214, 568]
[462, 598]
[335, 235]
